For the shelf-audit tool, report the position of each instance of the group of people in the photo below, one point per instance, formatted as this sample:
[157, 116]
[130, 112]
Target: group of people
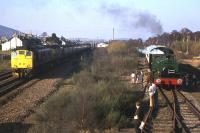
[137, 77]
[190, 80]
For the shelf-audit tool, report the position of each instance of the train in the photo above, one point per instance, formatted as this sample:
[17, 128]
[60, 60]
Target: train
[26, 61]
[164, 67]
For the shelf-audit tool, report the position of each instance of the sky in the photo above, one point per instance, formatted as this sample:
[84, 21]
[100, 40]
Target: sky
[96, 19]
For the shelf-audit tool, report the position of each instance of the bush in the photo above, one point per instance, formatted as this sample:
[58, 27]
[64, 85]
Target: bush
[95, 98]
[117, 47]
[4, 65]
[193, 47]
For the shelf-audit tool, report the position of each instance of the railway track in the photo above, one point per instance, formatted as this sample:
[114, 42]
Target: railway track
[5, 75]
[8, 82]
[176, 113]
[163, 121]
[190, 114]
[12, 85]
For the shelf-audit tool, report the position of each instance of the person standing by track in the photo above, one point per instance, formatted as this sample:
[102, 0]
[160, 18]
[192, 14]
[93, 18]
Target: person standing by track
[151, 98]
[142, 76]
[133, 77]
[194, 79]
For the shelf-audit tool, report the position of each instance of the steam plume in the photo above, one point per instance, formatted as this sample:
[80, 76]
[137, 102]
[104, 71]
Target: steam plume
[132, 19]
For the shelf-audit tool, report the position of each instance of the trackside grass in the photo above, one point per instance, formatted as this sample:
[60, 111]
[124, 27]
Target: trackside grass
[95, 99]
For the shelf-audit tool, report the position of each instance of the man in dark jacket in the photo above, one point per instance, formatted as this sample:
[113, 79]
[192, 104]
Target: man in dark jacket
[138, 117]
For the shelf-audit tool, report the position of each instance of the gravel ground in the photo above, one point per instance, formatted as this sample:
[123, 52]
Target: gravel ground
[194, 98]
[193, 93]
[34, 92]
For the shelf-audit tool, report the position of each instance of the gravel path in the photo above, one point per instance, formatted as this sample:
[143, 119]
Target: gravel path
[33, 94]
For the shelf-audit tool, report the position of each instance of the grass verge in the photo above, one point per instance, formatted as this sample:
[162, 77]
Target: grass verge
[94, 100]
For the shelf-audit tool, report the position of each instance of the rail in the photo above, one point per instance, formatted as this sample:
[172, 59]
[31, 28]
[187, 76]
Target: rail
[5, 73]
[194, 109]
[178, 119]
[7, 88]
[5, 76]
[175, 126]
[147, 118]
[7, 81]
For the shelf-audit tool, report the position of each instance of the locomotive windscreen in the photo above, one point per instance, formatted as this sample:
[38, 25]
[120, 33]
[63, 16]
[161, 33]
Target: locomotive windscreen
[165, 50]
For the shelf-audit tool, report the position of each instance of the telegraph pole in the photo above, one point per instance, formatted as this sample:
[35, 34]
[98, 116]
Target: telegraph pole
[15, 40]
[113, 33]
[187, 52]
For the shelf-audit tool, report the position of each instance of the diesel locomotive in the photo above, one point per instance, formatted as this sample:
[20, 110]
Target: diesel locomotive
[164, 67]
[25, 61]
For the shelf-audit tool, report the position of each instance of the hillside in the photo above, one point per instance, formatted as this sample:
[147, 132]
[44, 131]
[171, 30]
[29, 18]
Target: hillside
[6, 31]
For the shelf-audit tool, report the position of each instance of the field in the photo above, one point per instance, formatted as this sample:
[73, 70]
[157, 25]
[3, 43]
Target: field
[95, 99]
[5, 52]
[193, 62]
[4, 65]
[4, 61]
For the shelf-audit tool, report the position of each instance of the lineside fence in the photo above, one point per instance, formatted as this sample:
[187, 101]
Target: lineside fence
[4, 57]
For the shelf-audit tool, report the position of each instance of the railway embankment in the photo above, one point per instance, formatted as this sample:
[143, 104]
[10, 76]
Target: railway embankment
[29, 96]
[187, 118]
[96, 99]
[193, 89]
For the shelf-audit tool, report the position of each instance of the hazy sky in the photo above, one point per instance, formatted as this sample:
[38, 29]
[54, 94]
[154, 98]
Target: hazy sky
[96, 18]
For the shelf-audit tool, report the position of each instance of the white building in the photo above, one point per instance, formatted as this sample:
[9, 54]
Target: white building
[12, 44]
[102, 45]
[63, 42]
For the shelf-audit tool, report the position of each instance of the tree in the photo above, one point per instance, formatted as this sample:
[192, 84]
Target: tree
[175, 36]
[44, 34]
[186, 34]
[53, 39]
[185, 31]
[54, 36]
[196, 36]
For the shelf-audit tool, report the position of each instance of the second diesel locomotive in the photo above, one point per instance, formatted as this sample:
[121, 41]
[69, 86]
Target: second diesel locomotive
[28, 60]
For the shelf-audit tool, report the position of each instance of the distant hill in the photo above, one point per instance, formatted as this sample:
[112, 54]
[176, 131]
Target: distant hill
[8, 32]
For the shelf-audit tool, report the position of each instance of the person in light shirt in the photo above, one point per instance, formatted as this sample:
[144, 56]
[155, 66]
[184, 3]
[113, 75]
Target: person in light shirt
[151, 99]
[142, 76]
[133, 77]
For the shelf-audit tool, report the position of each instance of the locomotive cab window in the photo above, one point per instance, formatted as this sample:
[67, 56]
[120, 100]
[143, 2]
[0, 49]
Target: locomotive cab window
[21, 52]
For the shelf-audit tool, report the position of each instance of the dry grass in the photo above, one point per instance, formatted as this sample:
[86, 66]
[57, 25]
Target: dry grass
[193, 47]
[193, 62]
[5, 52]
[4, 65]
[95, 99]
